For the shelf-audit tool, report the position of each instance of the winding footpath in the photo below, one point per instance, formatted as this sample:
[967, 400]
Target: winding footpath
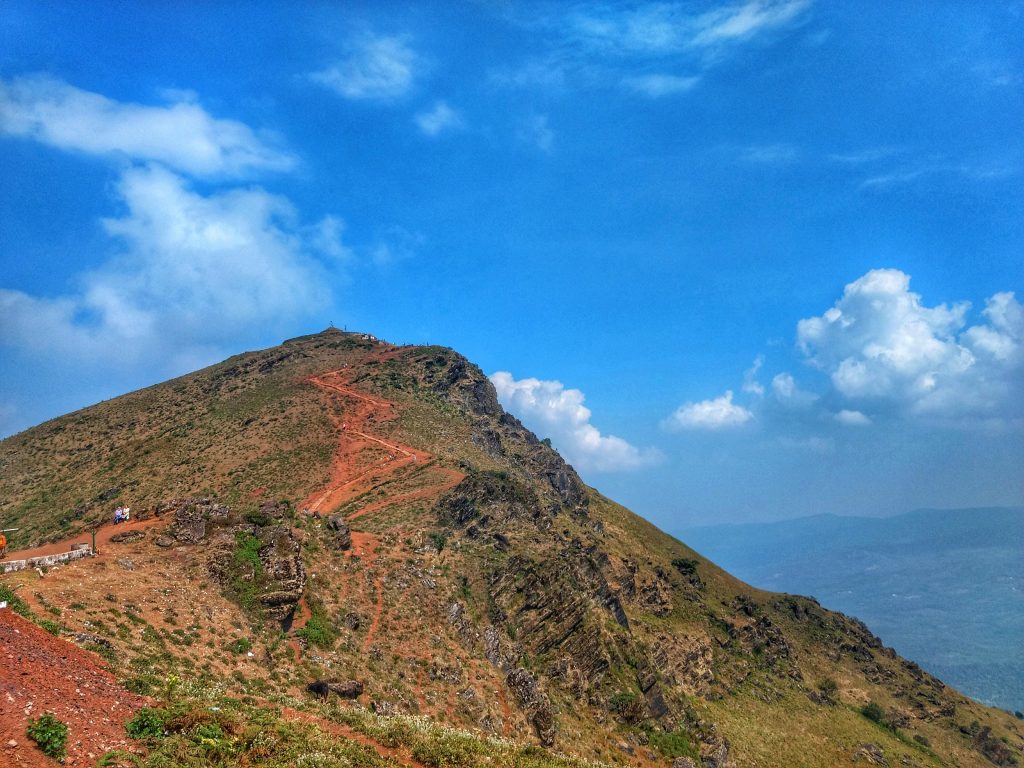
[363, 461]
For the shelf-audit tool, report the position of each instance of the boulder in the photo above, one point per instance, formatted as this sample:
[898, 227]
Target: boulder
[871, 754]
[346, 689]
[342, 534]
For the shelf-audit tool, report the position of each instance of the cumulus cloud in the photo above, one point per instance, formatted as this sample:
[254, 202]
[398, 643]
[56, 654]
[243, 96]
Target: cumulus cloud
[377, 69]
[551, 410]
[181, 134]
[852, 418]
[882, 347]
[193, 272]
[660, 84]
[788, 392]
[720, 413]
[438, 119]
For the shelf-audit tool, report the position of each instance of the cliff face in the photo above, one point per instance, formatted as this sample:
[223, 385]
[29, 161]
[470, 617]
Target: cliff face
[467, 573]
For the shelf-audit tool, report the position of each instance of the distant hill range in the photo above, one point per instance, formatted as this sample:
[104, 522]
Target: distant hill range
[943, 587]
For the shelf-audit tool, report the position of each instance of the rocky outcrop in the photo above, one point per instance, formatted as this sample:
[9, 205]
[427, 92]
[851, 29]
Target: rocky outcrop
[345, 689]
[191, 517]
[535, 703]
[871, 754]
[487, 499]
[272, 587]
[284, 574]
[342, 538]
[127, 537]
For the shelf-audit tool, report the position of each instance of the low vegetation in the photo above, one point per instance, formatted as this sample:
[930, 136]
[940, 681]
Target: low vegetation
[50, 734]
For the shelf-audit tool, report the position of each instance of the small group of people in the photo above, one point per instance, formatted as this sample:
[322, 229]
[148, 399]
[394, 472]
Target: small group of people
[122, 515]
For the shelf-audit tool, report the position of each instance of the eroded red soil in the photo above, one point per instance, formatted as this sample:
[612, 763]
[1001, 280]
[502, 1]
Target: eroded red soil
[43, 673]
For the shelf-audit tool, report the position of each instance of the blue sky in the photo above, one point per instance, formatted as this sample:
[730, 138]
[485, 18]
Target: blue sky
[740, 261]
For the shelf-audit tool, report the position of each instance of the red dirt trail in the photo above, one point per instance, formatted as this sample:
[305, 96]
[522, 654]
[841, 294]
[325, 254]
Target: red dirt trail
[102, 538]
[42, 673]
[357, 467]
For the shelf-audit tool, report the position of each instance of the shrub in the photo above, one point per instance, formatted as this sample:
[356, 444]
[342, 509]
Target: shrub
[15, 603]
[673, 744]
[142, 685]
[876, 714]
[439, 539]
[50, 734]
[147, 723]
[50, 626]
[318, 630]
[241, 645]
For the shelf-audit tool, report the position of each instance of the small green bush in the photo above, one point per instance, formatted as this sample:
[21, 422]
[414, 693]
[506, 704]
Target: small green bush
[50, 734]
[876, 714]
[50, 626]
[147, 723]
[673, 744]
[14, 602]
[241, 645]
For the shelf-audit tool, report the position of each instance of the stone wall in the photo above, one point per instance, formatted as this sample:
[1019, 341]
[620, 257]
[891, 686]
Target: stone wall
[45, 561]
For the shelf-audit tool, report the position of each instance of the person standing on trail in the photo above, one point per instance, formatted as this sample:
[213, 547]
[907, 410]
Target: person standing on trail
[118, 516]
[126, 514]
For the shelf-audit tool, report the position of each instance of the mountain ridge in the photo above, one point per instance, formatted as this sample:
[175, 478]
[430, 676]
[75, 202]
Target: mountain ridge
[518, 602]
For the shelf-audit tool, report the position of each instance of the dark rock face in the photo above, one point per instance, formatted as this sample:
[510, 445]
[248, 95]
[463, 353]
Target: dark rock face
[191, 517]
[535, 703]
[281, 558]
[487, 498]
[342, 534]
[552, 612]
[281, 576]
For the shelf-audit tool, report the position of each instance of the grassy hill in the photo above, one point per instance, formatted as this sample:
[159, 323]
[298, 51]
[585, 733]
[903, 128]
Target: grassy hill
[459, 571]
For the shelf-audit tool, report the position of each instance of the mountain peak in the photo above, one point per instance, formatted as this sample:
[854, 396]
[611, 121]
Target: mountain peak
[368, 522]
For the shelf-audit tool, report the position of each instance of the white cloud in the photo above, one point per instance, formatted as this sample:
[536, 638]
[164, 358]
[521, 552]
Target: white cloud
[787, 391]
[882, 347]
[750, 382]
[852, 418]
[181, 134]
[551, 410]
[377, 68]
[438, 119]
[664, 29]
[660, 84]
[720, 413]
[742, 22]
[195, 272]
[535, 131]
